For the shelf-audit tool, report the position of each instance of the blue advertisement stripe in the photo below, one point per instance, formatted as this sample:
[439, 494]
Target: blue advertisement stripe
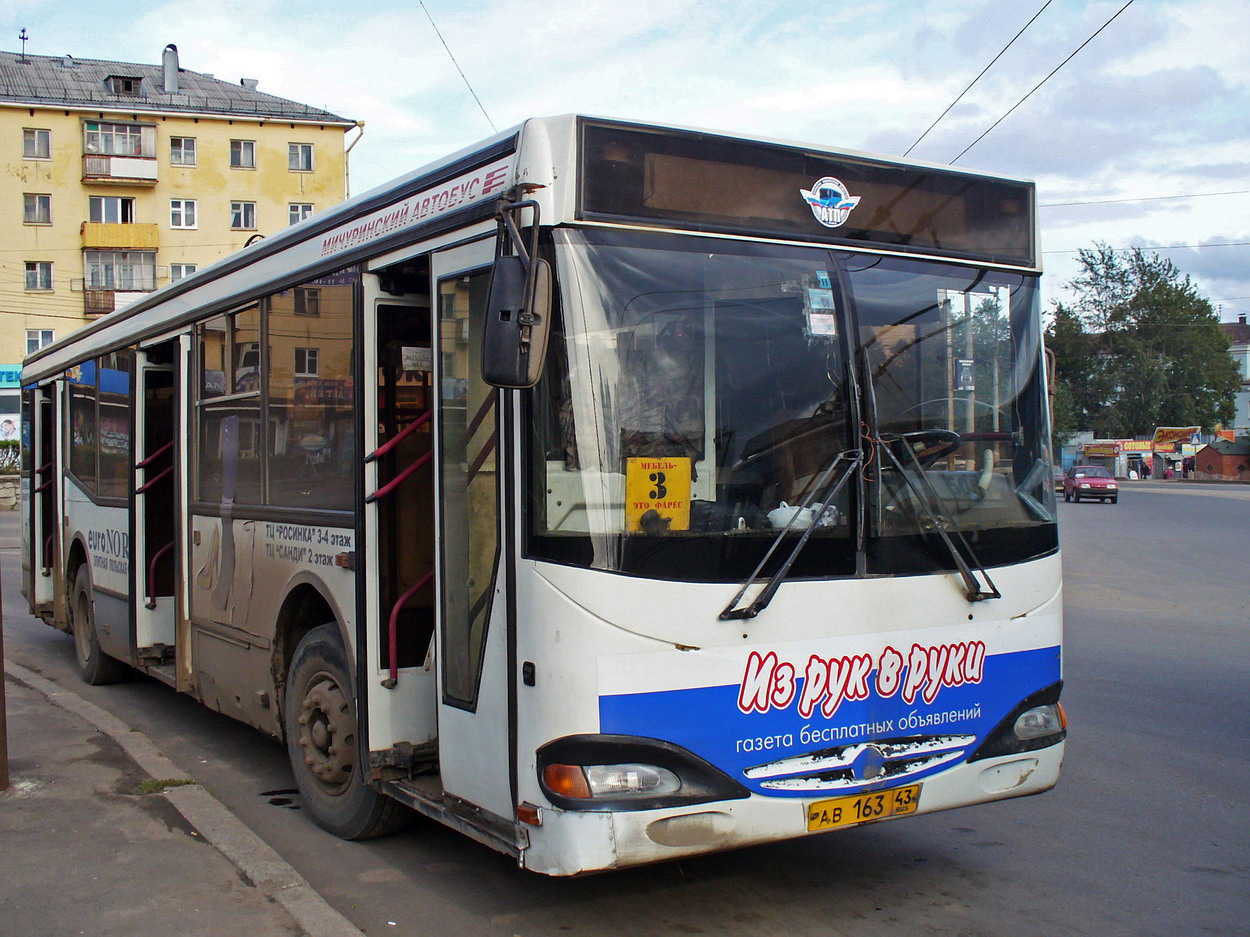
[709, 722]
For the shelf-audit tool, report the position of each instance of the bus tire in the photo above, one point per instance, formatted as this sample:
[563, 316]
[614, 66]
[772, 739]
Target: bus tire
[96, 667]
[320, 721]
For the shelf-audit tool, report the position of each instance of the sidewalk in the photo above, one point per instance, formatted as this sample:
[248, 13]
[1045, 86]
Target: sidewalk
[90, 845]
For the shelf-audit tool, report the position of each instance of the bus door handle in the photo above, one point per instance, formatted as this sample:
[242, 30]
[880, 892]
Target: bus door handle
[398, 479]
[392, 628]
[151, 602]
[403, 434]
[148, 484]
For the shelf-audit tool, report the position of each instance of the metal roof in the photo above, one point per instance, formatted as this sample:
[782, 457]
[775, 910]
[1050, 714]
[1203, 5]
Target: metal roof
[64, 81]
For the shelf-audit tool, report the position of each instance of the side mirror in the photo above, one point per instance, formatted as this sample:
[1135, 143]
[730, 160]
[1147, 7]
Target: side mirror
[518, 322]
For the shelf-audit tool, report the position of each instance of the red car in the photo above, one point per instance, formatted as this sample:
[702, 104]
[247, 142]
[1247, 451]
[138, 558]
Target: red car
[1090, 482]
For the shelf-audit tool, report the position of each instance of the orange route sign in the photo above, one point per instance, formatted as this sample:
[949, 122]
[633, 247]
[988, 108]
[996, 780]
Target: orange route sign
[657, 493]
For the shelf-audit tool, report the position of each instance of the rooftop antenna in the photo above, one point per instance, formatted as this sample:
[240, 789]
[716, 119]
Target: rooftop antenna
[22, 36]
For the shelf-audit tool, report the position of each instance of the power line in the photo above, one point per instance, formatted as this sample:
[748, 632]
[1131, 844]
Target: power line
[1172, 247]
[978, 78]
[1142, 198]
[1042, 82]
[459, 69]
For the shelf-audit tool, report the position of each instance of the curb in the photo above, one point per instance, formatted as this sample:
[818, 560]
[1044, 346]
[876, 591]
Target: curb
[272, 875]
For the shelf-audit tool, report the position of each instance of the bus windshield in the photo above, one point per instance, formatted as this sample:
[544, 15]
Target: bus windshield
[702, 390]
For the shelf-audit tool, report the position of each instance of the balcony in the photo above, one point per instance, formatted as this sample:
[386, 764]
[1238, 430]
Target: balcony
[107, 236]
[118, 170]
[98, 303]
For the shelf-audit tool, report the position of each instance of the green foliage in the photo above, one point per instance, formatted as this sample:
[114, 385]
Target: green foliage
[1139, 348]
[10, 453]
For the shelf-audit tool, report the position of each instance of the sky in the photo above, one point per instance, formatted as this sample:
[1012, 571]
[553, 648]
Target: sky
[1141, 140]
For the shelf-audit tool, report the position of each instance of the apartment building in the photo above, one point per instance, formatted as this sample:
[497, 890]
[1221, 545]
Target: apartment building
[119, 178]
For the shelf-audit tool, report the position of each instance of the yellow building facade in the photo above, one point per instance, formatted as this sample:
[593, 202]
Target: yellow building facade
[118, 178]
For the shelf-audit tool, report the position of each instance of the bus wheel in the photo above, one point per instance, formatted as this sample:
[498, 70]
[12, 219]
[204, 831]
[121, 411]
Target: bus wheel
[320, 720]
[97, 668]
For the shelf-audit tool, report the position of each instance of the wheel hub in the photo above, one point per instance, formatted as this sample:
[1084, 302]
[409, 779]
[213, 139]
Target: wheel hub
[327, 733]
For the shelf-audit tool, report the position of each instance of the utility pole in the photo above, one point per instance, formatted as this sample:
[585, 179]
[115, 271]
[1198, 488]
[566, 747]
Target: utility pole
[4, 728]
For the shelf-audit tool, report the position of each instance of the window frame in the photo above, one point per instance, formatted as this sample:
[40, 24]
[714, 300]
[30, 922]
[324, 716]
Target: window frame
[127, 208]
[311, 356]
[179, 146]
[40, 340]
[178, 215]
[299, 211]
[31, 202]
[110, 131]
[183, 271]
[131, 261]
[37, 267]
[239, 149]
[299, 157]
[34, 135]
[240, 209]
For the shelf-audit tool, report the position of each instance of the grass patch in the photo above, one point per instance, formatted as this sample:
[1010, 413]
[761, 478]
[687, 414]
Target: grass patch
[157, 785]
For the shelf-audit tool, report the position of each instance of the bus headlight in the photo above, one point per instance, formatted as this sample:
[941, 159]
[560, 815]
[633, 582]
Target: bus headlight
[1039, 721]
[620, 772]
[630, 780]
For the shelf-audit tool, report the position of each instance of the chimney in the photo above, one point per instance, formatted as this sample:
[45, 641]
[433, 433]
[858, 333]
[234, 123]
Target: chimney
[169, 66]
[249, 83]
[1241, 319]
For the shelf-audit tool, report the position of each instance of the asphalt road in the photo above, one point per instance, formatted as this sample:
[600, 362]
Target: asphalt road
[1147, 834]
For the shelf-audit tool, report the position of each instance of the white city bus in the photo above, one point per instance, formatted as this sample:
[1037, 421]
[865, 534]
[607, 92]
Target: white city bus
[609, 492]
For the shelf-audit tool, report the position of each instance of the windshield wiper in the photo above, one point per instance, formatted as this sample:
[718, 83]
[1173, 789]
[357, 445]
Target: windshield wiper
[928, 498]
[732, 612]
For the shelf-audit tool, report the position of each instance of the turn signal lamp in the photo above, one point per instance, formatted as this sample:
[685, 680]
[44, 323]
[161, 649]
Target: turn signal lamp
[566, 781]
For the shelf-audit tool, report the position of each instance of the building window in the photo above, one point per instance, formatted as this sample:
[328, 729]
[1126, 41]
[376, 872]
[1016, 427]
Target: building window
[37, 338]
[120, 84]
[243, 216]
[182, 151]
[119, 139]
[307, 301]
[178, 271]
[182, 213]
[38, 274]
[129, 271]
[300, 211]
[242, 154]
[36, 209]
[300, 157]
[36, 144]
[111, 209]
[306, 362]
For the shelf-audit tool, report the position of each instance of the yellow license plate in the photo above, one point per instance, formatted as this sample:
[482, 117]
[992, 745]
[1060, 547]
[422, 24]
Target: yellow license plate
[860, 808]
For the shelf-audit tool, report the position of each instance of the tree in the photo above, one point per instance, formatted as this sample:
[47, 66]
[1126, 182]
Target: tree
[1140, 348]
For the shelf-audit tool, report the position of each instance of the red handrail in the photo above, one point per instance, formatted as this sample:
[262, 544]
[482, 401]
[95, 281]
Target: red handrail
[148, 484]
[392, 632]
[398, 479]
[151, 602]
[403, 434]
[157, 454]
[47, 555]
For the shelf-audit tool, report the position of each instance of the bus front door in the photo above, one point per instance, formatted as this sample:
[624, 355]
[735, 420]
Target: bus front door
[43, 521]
[155, 508]
[475, 697]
